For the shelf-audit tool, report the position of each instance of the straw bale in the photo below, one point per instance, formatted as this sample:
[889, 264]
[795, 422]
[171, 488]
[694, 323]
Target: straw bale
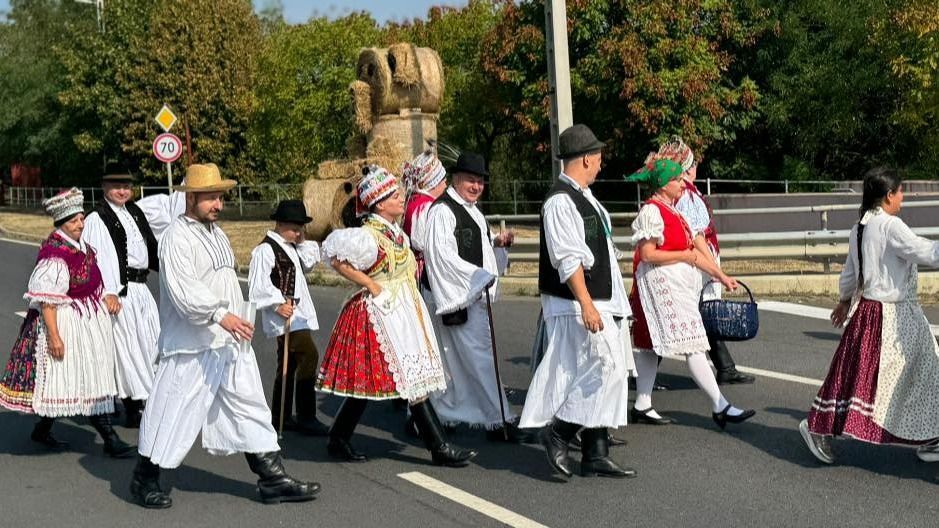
[318, 198]
[342, 211]
[402, 60]
[362, 104]
[387, 153]
[390, 95]
[355, 146]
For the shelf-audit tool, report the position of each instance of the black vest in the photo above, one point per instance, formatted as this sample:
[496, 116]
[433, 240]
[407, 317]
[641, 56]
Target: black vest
[119, 237]
[284, 273]
[598, 279]
[469, 238]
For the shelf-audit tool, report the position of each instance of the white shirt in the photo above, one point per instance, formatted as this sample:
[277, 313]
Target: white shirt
[891, 255]
[198, 287]
[456, 283]
[568, 250]
[97, 235]
[268, 297]
[162, 209]
[695, 211]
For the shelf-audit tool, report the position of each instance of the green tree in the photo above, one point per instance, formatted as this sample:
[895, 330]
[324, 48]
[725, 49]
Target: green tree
[304, 113]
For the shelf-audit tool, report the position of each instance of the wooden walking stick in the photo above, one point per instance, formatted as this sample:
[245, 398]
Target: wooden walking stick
[495, 361]
[283, 373]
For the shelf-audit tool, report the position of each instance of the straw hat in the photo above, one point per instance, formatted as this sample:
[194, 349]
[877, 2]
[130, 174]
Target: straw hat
[204, 178]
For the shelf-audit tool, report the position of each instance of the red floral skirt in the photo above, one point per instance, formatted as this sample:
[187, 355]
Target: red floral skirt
[845, 403]
[640, 328]
[353, 364]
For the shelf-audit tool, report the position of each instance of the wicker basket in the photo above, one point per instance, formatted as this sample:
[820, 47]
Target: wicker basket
[730, 320]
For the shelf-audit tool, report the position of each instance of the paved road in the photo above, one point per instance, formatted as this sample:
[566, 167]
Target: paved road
[691, 474]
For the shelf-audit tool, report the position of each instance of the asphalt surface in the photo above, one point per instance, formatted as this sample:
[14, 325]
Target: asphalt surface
[690, 474]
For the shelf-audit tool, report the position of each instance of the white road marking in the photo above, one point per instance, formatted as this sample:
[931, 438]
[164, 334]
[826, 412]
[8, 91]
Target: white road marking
[21, 314]
[21, 242]
[768, 374]
[507, 517]
[804, 310]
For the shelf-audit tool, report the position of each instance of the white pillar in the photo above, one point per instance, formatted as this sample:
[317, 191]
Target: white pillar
[559, 73]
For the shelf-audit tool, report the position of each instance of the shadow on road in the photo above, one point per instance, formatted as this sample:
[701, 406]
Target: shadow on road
[826, 336]
[18, 426]
[785, 443]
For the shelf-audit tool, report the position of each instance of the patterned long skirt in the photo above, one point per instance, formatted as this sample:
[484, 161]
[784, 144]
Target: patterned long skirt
[848, 402]
[19, 377]
[353, 364]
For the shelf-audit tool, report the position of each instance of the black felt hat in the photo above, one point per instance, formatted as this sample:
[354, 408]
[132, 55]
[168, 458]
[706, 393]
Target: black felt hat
[291, 212]
[117, 173]
[472, 163]
[578, 140]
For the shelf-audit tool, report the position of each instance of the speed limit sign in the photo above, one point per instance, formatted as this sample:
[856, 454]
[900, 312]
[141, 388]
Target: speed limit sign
[167, 148]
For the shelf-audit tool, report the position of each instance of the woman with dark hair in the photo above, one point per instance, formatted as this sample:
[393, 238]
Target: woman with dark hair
[883, 383]
[383, 345]
[62, 363]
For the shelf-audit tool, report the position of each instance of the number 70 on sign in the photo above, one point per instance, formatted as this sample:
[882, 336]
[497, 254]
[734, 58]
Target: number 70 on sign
[167, 148]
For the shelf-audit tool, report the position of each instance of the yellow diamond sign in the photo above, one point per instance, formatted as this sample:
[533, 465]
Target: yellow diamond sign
[166, 118]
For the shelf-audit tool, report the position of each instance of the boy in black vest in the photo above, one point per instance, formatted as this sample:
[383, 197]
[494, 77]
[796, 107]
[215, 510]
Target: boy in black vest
[581, 383]
[277, 284]
[127, 251]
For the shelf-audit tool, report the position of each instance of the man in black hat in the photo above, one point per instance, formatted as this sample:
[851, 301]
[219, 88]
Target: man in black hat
[461, 263]
[127, 250]
[277, 284]
[581, 383]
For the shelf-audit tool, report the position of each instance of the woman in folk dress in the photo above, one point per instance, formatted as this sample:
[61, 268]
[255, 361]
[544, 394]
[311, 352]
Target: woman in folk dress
[664, 298]
[383, 346]
[883, 383]
[62, 363]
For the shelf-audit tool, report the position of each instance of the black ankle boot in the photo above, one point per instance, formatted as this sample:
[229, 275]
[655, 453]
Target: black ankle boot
[341, 432]
[42, 434]
[442, 453]
[113, 445]
[556, 438]
[145, 485]
[307, 424]
[727, 373]
[133, 413]
[596, 461]
[274, 484]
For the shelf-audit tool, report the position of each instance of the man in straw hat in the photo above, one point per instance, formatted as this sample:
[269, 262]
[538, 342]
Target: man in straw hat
[581, 383]
[461, 266]
[208, 378]
[127, 251]
[277, 285]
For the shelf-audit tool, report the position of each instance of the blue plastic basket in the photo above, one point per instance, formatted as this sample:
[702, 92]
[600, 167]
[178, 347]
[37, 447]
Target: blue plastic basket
[730, 320]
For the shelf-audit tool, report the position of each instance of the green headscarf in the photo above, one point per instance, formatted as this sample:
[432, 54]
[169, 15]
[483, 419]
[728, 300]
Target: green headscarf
[656, 174]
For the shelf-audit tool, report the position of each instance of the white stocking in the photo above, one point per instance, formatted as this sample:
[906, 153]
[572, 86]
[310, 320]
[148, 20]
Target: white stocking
[704, 377]
[647, 365]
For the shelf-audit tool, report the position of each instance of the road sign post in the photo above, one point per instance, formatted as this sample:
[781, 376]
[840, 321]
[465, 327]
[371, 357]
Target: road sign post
[167, 147]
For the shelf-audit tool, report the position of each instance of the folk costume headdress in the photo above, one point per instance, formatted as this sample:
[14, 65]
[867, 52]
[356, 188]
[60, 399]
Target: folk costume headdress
[423, 173]
[376, 185]
[64, 206]
[676, 150]
[657, 172]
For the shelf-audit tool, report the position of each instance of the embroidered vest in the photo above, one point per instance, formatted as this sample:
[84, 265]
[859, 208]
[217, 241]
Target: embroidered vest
[469, 238]
[599, 278]
[85, 283]
[119, 238]
[284, 273]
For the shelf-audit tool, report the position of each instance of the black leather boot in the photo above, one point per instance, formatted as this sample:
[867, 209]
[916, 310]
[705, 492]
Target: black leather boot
[133, 413]
[274, 484]
[145, 486]
[513, 434]
[442, 453]
[307, 424]
[727, 373]
[596, 461]
[556, 438]
[113, 445]
[42, 434]
[341, 432]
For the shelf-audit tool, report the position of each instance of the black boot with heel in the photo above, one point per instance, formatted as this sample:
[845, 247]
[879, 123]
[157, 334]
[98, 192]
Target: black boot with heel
[340, 434]
[274, 484]
[113, 445]
[442, 453]
[596, 461]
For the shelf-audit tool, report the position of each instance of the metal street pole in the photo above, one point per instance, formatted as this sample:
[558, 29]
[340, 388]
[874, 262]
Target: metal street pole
[559, 73]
